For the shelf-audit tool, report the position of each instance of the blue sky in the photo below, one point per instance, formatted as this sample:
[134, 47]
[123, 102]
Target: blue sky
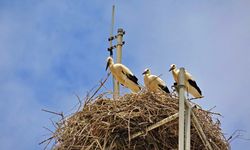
[51, 50]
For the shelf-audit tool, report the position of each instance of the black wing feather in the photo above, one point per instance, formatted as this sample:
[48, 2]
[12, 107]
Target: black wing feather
[193, 83]
[164, 88]
[131, 77]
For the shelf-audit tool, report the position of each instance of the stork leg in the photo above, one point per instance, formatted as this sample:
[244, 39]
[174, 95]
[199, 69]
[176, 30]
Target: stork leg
[175, 89]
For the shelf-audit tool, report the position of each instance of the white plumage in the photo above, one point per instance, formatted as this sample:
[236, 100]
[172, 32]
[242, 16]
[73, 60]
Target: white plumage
[190, 83]
[153, 82]
[123, 75]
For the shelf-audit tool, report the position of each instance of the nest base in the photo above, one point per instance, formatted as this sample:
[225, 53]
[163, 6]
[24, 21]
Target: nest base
[109, 124]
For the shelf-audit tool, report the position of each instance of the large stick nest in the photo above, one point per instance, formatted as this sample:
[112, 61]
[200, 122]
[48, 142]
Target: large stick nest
[110, 124]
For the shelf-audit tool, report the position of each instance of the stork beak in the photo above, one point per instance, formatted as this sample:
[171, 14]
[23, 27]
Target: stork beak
[107, 66]
[171, 69]
[144, 72]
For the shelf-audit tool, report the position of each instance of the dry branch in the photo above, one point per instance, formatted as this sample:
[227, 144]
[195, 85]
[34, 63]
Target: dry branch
[156, 125]
[55, 113]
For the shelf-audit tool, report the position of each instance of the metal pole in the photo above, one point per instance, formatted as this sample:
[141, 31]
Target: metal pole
[181, 86]
[118, 59]
[119, 45]
[111, 35]
[112, 27]
[187, 127]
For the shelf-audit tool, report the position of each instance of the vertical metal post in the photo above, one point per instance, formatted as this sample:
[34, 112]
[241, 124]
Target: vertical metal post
[187, 127]
[181, 87]
[119, 45]
[112, 25]
[118, 59]
[184, 115]
[111, 53]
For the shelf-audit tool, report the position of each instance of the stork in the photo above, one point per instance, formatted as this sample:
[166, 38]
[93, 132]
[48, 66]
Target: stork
[153, 82]
[190, 83]
[123, 75]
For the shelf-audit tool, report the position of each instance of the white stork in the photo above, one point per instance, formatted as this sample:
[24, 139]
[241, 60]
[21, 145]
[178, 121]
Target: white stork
[123, 75]
[190, 83]
[153, 82]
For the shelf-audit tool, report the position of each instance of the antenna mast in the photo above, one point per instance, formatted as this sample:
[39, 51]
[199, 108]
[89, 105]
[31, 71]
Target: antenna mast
[118, 46]
[110, 49]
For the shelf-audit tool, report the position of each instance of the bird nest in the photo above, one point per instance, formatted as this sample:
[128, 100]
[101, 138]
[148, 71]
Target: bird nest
[134, 121]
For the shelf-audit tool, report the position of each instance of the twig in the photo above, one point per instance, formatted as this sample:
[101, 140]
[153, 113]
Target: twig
[211, 108]
[48, 129]
[80, 102]
[236, 134]
[53, 123]
[98, 143]
[50, 138]
[214, 113]
[91, 90]
[52, 112]
[47, 144]
[102, 83]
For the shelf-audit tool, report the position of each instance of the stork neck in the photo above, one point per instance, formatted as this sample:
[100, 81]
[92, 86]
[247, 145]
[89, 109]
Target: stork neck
[146, 75]
[175, 74]
[111, 62]
[111, 66]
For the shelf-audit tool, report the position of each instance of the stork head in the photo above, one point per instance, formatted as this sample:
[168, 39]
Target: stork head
[172, 67]
[109, 62]
[146, 72]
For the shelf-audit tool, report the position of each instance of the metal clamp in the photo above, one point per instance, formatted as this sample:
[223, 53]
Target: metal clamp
[123, 42]
[112, 38]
